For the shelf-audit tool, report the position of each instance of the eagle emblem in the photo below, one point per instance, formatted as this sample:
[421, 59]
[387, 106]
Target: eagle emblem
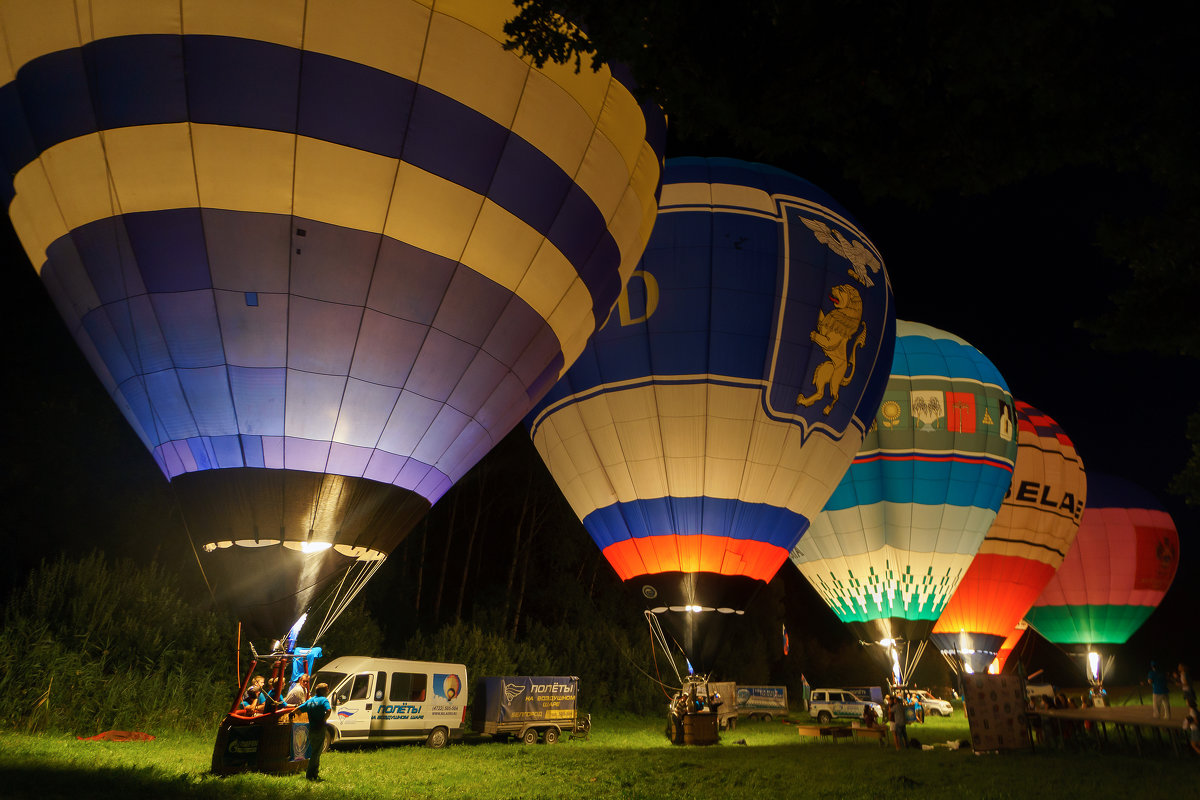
[511, 690]
[861, 259]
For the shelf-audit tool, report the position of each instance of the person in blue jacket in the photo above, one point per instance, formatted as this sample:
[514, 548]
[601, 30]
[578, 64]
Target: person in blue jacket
[318, 709]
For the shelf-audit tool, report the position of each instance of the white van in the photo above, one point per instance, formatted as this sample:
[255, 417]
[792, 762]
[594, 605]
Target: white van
[388, 699]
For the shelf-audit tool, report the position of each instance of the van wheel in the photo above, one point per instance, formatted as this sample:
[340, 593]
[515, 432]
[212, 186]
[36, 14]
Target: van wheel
[437, 738]
[824, 717]
[331, 737]
[529, 736]
[551, 736]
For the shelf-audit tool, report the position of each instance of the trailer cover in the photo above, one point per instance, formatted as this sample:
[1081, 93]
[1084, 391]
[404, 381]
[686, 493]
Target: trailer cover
[525, 699]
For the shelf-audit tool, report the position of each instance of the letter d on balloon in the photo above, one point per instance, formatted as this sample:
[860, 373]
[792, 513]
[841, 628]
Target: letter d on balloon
[651, 298]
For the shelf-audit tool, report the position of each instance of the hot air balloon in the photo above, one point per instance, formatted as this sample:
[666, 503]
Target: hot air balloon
[1032, 532]
[1115, 574]
[1008, 646]
[323, 255]
[710, 418]
[899, 533]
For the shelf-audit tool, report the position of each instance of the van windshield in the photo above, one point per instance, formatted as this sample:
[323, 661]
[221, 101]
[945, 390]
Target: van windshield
[331, 678]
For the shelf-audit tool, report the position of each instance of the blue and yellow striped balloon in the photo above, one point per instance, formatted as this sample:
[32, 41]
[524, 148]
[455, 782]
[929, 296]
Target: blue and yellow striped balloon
[712, 416]
[899, 533]
[322, 254]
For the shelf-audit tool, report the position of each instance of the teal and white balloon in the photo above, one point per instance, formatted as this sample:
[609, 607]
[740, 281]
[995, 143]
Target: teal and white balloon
[902, 527]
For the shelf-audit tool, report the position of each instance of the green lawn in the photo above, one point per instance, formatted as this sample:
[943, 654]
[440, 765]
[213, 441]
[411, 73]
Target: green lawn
[626, 757]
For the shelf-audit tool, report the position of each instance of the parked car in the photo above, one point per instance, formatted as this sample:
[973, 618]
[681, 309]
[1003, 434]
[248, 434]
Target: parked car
[931, 704]
[825, 705]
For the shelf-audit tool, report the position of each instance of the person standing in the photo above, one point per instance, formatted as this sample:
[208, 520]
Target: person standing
[318, 709]
[899, 714]
[1158, 687]
[1184, 676]
[298, 693]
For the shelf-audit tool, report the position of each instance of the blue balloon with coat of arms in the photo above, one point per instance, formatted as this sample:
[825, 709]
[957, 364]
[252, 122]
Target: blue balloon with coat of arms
[709, 419]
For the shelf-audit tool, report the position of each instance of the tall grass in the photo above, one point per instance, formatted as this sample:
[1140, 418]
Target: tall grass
[89, 646]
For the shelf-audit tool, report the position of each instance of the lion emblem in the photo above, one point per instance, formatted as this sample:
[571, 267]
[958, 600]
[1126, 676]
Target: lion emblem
[833, 334]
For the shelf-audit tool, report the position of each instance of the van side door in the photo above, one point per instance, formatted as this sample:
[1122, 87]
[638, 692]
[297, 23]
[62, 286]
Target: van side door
[847, 705]
[403, 713]
[379, 695]
[355, 704]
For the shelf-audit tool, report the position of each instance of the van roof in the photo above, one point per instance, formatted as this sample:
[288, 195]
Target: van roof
[371, 664]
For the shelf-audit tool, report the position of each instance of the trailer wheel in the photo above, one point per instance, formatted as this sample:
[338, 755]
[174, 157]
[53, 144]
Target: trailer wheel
[437, 738]
[529, 736]
[550, 736]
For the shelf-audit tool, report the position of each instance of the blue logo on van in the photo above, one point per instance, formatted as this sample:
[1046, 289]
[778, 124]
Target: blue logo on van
[400, 711]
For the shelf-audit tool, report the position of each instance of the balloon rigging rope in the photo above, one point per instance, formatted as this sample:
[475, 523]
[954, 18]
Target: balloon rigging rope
[656, 634]
[341, 600]
[910, 666]
[192, 543]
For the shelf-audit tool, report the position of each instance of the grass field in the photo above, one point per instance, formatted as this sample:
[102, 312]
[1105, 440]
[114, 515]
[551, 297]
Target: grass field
[626, 757]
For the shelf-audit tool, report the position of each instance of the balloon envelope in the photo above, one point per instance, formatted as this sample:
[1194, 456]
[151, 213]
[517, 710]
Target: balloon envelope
[1009, 645]
[1117, 571]
[901, 529]
[1033, 530]
[708, 421]
[322, 255]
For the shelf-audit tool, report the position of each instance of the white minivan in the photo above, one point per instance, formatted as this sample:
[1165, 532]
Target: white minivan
[388, 699]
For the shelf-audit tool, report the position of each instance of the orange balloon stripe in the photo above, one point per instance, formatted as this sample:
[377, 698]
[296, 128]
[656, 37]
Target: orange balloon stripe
[994, 594]
[650, 555]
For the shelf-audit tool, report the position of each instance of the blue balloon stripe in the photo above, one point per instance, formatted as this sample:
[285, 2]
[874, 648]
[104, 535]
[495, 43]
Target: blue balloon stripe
[672, 516]
[156, 79]
[955, 480]
[197, 453]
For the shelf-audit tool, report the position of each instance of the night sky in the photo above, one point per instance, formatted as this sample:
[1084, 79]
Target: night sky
[1012, 271]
